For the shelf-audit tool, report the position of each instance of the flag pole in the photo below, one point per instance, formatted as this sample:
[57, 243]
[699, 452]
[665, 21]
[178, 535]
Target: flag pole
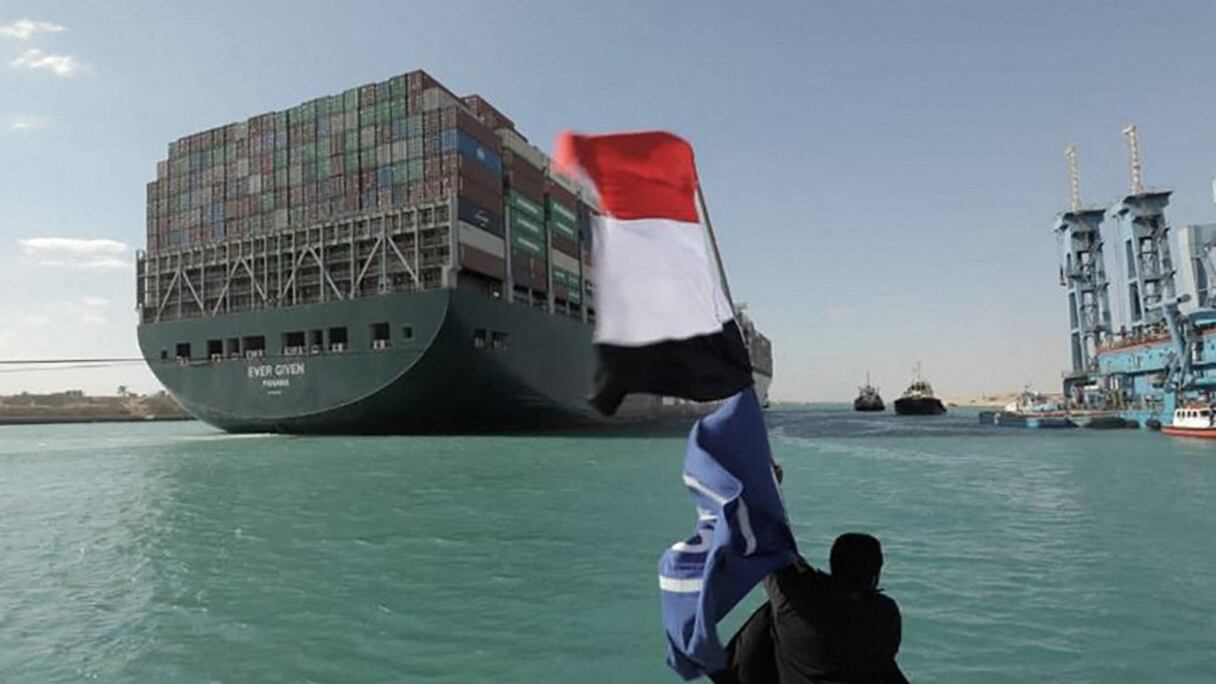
[713, 241]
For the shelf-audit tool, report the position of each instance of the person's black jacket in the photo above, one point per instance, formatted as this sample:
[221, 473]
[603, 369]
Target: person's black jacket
[812, 630]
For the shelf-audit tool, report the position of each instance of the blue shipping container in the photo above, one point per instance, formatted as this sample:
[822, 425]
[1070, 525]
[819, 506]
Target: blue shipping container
[475, 215]
[456, 139]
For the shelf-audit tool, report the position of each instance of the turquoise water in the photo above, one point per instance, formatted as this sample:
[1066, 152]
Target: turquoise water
[171, 553]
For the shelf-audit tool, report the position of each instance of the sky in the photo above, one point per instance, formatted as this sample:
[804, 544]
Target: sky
[882, 176]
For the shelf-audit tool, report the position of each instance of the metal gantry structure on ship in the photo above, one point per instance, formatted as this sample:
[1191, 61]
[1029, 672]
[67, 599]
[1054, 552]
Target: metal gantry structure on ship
[1159, 357]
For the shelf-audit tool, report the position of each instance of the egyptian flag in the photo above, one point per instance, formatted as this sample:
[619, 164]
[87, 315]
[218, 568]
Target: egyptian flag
[663, 324]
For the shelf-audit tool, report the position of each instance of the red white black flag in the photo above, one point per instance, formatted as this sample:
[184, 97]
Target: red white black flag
[663, 324]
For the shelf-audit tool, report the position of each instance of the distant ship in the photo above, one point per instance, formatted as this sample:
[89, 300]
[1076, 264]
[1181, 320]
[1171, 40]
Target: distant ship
[918, 399]
[868, 398]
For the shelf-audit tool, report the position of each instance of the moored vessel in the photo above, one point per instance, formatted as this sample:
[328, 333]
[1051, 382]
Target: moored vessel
[918, 399]
[1192, 421]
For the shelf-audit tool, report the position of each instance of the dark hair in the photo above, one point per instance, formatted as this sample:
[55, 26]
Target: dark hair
[856, 560]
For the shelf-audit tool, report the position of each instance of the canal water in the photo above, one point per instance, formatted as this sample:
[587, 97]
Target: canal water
[173, 553]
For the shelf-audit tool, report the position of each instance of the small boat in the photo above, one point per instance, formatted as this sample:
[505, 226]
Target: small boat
[1034, 410]
[868, 398]
[1192, 421]
[918, 399]
[1030, 401]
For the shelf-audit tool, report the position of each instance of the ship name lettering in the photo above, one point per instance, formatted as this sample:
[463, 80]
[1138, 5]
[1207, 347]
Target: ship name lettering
[295, 368]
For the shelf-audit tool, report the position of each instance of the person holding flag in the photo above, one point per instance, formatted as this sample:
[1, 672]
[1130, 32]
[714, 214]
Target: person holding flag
[665, 325]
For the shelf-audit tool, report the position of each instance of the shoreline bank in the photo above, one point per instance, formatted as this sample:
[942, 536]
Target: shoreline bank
[67, 420]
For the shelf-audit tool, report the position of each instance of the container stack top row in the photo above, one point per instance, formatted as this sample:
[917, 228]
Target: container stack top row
[403, 142]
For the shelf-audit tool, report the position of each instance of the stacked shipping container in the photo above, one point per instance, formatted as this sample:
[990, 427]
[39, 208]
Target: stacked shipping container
[400, 143]
[525, 187]
[561, 220]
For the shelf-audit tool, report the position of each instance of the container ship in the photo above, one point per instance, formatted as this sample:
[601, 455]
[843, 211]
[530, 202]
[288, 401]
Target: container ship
[391, 259]
[1156, 352]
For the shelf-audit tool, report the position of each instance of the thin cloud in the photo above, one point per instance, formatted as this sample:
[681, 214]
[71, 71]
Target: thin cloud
[23, 124]
[95, 302]
[24, 29]
[72, 245]
[76, 252]
[37, 60]
[88, 263]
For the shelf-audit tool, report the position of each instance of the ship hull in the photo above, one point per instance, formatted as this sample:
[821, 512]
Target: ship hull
[868, 405]
[1197, 433]
[471, 364]
[762, 381]
[919, 406]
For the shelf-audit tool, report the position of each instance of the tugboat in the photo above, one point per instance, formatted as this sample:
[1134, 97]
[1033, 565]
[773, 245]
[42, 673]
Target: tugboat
[1192, 421]
[868, 398]
[918, 399]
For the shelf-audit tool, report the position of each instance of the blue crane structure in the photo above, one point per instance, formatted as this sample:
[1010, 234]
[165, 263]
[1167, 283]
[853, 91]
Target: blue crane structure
[1161, 356]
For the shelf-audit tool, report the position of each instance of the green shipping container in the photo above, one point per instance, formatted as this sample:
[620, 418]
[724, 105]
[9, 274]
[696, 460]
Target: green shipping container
[571, 281]
[523, 225]
[560, 212]
[525, 206]
[528, 244]
[562, 220]
[564, 229]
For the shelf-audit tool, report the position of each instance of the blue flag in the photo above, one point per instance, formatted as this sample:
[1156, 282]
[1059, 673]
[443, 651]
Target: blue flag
[742, 533]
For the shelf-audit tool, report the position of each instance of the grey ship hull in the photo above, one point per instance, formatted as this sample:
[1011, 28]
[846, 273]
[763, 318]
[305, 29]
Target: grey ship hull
[530, 370]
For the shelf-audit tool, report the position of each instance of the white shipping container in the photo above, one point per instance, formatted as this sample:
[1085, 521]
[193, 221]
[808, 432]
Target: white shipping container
[564, 262]
[516, 143]
[485, 241]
